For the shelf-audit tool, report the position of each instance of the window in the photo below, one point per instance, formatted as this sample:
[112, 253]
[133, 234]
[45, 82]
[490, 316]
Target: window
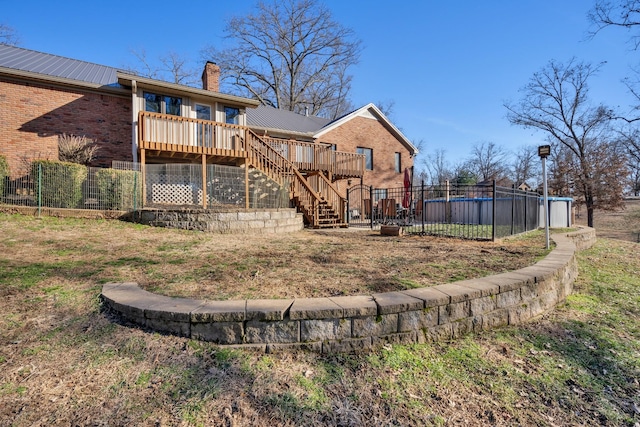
[379, 194]
[398, 163]
[203, 112]
[164, 104]
[368, 157]
[232, 115]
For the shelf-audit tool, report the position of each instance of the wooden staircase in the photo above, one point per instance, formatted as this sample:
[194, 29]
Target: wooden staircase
[313, 195]
[318, 211]
[328, 217]
[321, 216]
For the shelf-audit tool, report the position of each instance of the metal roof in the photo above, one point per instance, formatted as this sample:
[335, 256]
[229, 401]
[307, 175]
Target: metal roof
[270, 118]
[18, 58]
[45, 66]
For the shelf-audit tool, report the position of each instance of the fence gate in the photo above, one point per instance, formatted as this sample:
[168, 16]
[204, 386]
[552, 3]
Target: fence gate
[359, 206]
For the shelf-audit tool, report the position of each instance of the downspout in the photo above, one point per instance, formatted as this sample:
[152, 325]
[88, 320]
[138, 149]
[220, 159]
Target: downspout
[134, 121]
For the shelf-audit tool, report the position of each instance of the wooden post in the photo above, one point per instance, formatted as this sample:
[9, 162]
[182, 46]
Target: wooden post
[143, 169]
[246, 183]
[204, 181]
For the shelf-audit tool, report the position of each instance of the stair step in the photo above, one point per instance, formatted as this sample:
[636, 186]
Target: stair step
[336, 225]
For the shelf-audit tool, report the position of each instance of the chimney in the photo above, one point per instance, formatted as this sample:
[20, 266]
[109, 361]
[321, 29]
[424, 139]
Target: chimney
[211, 77]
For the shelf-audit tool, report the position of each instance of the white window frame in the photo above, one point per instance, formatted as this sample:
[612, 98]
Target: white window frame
[365, 150]
[163, 102]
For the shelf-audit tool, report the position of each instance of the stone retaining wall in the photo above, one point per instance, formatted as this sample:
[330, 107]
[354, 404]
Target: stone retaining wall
[256, 221]
[352, 323]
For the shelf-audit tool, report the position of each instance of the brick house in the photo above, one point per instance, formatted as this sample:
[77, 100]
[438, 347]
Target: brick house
[43, 96]
[137, 119]
[38, 105]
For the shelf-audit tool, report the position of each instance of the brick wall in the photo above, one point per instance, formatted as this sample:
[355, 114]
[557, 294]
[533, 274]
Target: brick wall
[33, 115]
[211, 77]
[370, 133]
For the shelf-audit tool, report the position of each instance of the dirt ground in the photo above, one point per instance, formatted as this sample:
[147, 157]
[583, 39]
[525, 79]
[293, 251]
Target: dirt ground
[316, 263]
[310, 263]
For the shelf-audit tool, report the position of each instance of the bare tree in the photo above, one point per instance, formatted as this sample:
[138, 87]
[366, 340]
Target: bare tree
[292, 55]
[172, 67]
[524, 168]
[629, 140]
[387, 107]
[178, 67]
[438, 168]
[634, 177]
[8, 35]
[556, 101]
[622, 13]
[488, 161]
[561, 164]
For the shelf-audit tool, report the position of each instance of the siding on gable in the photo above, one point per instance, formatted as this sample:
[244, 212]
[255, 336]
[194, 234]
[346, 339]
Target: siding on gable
[33, 115]
[370, 133]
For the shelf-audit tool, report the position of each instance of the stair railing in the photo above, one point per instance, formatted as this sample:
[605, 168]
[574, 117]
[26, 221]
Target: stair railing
[329, 193]
[262, 156]
[278, 168]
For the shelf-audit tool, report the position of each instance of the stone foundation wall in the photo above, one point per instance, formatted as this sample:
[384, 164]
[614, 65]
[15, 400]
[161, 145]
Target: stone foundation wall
[252, 221]
[353, 323]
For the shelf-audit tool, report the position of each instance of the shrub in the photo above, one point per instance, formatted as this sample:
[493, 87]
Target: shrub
[119, 189]
[4, 173]
[76, 149]
[61, 183]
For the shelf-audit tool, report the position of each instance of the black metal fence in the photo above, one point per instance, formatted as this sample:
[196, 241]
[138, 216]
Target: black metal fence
[480, 212]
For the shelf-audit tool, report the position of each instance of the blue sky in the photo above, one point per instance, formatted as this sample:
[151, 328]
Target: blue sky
[448, 67]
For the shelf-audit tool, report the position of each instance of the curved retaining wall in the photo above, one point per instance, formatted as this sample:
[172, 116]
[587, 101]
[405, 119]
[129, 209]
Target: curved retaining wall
[352, 323]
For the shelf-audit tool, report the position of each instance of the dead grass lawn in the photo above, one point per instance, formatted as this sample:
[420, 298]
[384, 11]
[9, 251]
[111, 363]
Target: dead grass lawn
[214, 266]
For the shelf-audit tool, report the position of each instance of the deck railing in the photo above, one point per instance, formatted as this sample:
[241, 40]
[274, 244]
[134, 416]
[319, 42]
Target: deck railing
[311, 191]
[308, 156]
[328, 193]
[265, 158]
[183, 134]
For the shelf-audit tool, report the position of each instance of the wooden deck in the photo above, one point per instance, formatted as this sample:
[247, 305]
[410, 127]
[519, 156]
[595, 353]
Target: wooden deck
[310, 169]
[182, 137]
